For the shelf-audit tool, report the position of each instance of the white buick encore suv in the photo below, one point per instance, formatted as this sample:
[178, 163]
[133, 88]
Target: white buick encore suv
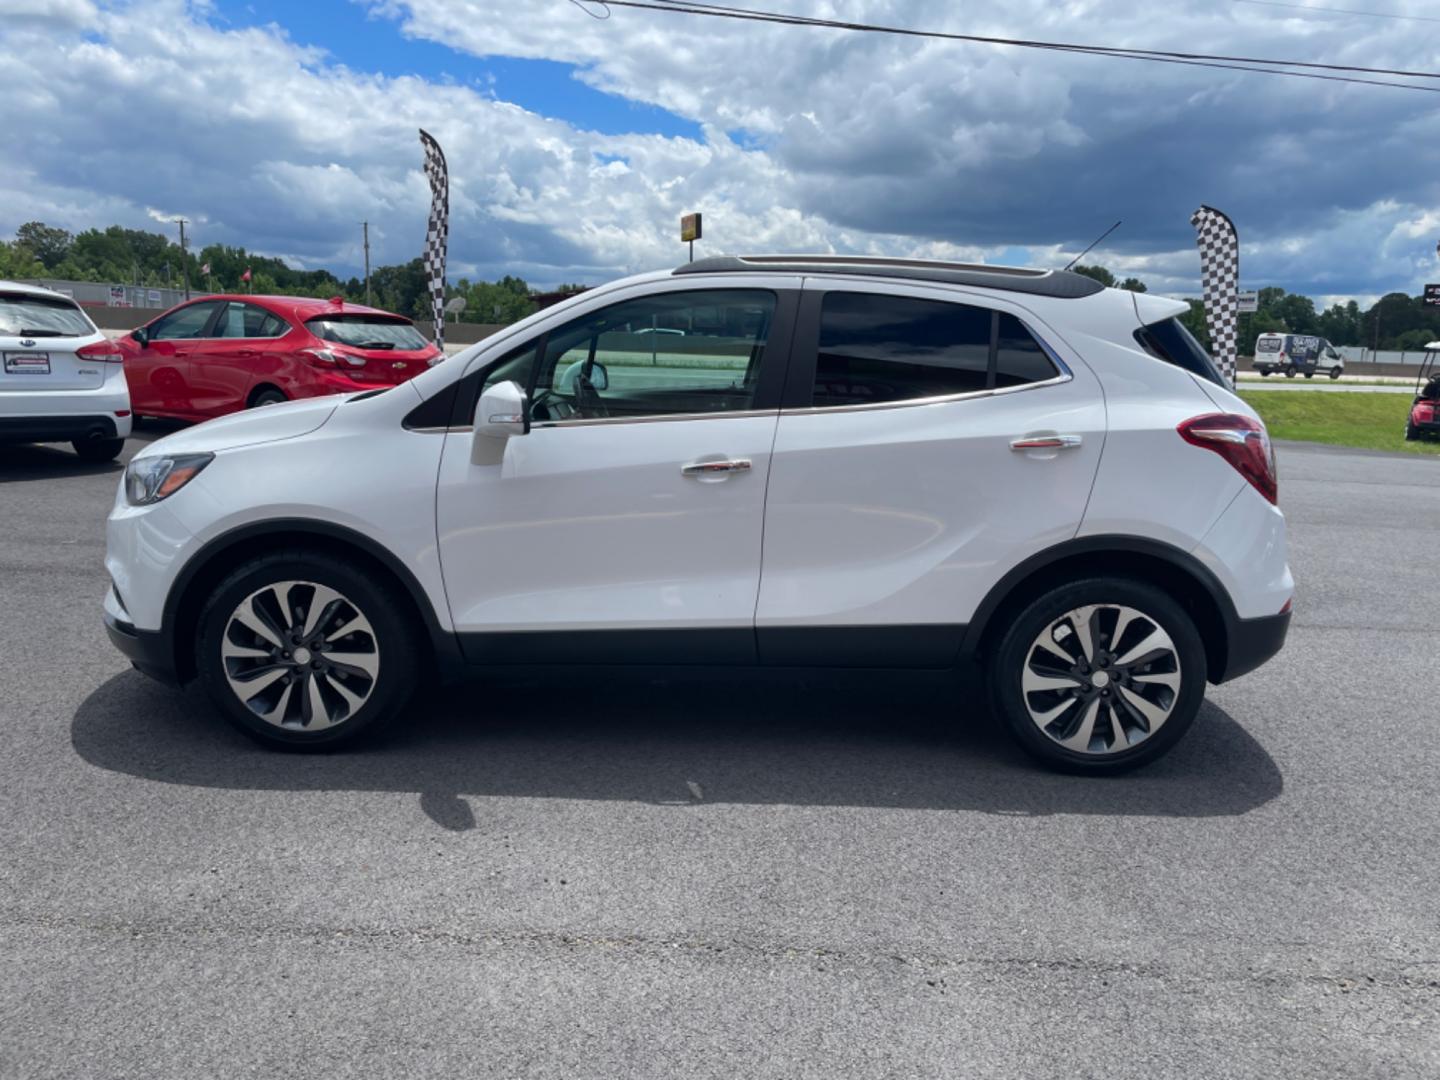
[791, 461]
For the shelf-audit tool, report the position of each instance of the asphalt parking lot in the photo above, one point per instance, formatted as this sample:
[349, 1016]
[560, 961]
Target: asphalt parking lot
[686, 876]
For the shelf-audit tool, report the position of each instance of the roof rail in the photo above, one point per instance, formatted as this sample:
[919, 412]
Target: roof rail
[1059, 284]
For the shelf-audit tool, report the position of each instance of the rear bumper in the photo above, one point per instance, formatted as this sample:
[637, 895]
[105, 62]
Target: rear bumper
[1251, 643]
[148, 650]
[61, 428]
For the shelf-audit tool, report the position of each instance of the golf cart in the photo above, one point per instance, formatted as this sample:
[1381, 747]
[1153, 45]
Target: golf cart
[1424, 420]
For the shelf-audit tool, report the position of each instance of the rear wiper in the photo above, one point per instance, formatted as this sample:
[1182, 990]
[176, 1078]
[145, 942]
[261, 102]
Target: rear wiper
[23, 332]
[376, 345]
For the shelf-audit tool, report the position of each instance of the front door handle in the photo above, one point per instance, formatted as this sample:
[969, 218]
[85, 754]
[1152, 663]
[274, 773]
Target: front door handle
[715, 468]
[1046, 442]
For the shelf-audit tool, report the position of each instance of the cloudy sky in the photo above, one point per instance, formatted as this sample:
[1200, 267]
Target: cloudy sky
[575, 143]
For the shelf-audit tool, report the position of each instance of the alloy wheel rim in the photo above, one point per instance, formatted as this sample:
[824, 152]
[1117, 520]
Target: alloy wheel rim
[1101, 679]
[300, 655]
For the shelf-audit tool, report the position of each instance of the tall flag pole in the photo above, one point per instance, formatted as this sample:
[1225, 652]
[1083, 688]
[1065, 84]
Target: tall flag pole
[1220, 276]
[437, 235]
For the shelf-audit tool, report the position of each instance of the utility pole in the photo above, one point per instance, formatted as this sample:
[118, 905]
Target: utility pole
[1375, 352]
[184, 261]
[366, 226]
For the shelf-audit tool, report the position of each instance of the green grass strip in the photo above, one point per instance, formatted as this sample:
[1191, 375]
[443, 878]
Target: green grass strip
[1368, 421]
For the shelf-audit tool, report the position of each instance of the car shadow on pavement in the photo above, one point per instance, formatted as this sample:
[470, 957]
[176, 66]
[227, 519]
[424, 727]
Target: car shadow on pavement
[33, 461]
[856, 739]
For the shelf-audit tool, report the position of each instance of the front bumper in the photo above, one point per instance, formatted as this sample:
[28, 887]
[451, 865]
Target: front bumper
[149, 651]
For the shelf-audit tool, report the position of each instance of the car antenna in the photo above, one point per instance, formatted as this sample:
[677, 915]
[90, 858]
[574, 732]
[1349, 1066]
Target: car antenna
[1097, 240]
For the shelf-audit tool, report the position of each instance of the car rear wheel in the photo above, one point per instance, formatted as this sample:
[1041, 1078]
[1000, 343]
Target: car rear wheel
[1099, 676]
[1290, 372]
[1265, 374]
[1309, 374]
[98, 449]
[1335, 372]
[303, 651]
[267, 397]
[1411, 433]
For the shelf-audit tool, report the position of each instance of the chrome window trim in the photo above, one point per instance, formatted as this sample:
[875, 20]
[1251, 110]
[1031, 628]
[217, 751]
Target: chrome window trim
[942, 399]
[536, 425]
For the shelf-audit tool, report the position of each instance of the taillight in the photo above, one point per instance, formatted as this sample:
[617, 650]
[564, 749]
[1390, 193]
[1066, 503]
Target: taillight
[1241, 441]
[102, 352]
[431, 361]
[332, 358]
[1423, 413]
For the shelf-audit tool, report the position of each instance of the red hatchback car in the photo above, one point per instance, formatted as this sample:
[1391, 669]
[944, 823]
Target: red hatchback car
[220, 354]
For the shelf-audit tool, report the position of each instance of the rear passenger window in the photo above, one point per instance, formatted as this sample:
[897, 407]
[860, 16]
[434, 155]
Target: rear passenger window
[876, 349]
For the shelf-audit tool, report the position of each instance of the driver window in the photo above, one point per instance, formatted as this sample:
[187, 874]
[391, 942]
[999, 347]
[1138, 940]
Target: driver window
[187, 322]
[662, 355]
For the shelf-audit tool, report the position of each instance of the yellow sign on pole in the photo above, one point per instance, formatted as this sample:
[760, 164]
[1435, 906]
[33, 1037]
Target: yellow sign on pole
[690, 227]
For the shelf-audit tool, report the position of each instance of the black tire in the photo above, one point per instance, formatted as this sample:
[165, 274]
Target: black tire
[390, 639]
[1265, 374]
[267, 397]
[1335, 372]
[1411, 435]
[1290, 372]
[98, 450]
[1309, 374]
[1008, 664]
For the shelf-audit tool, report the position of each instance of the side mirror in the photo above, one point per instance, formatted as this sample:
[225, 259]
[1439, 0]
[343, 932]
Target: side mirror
[599, 376]
[501, 413]
[141, 336]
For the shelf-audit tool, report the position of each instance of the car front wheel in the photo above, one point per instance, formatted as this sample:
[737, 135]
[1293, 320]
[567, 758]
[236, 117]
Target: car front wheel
[1335, 372]
[1099, 675]
[304, 651]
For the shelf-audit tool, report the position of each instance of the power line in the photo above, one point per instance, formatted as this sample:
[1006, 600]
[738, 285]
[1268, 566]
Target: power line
[1238, 63]
[1341, 11]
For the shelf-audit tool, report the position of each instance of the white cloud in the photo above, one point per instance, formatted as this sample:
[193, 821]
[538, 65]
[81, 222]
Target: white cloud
[851, 142]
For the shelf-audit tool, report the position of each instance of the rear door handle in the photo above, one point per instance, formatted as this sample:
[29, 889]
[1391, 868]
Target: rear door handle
[1046, 442]
[715, 468]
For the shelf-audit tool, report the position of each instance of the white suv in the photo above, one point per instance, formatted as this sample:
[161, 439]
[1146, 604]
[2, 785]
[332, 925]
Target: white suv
[61, 380]
[838, 462]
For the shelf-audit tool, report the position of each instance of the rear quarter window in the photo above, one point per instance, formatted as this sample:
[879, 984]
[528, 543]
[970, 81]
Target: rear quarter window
[1168, 340]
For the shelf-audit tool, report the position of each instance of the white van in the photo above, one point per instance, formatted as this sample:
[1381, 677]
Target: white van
[1297, 354]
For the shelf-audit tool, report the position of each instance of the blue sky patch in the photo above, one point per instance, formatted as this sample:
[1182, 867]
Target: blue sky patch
[368, 44]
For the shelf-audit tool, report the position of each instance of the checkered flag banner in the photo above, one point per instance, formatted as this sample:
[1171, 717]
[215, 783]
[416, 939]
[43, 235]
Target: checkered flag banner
[437, 235]
[1220, 276]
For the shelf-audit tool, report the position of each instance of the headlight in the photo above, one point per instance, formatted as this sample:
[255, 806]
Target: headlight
[150, 479]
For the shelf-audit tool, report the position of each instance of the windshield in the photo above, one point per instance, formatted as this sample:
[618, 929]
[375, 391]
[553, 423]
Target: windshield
[368, 331]
[40, 316]
[1170, 341]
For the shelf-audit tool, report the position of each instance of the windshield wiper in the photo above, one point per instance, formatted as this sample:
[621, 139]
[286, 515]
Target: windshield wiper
[24, 332]
[376, 345]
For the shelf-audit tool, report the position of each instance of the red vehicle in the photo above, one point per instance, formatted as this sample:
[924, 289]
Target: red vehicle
[1424, 419]
[220, 354]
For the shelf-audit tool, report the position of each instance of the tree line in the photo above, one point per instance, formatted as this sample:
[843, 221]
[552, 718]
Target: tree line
[1395, 321]
[133, 256]
[117, 255]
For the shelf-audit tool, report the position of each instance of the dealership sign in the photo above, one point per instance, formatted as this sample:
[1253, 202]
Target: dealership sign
[1432, 295]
